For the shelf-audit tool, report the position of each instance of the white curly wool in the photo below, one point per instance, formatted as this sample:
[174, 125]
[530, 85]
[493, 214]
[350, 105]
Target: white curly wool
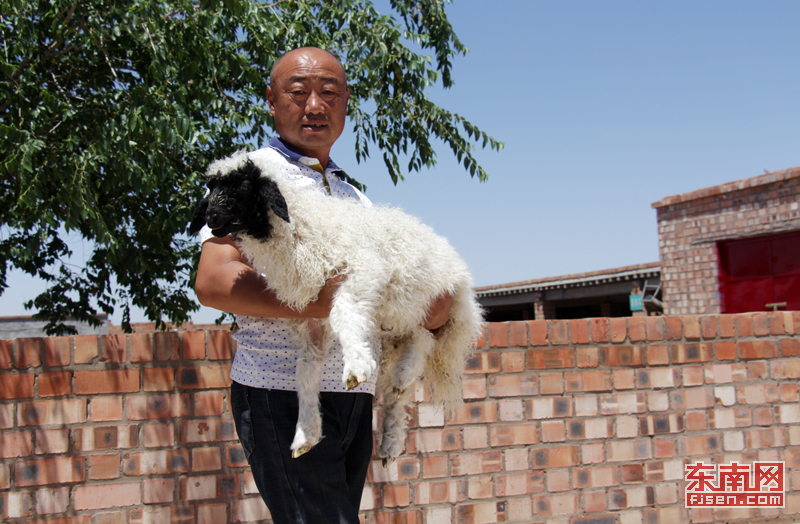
[396, 267]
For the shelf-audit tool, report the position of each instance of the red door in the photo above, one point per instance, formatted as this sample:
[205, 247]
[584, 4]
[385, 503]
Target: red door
[758, 271]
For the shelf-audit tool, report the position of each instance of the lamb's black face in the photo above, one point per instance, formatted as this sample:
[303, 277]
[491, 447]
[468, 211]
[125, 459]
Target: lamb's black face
[229, 202]
[238, 202]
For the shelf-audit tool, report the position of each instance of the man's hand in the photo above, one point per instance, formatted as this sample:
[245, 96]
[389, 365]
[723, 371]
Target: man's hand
[438, 312]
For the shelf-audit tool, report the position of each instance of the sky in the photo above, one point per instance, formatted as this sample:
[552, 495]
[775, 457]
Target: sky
[605, 107]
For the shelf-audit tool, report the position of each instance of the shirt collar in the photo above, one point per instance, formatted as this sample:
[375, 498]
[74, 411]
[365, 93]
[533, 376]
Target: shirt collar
[283, 148]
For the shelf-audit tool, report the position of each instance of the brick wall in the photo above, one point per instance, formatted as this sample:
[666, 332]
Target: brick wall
[691, 224]
[565, 422]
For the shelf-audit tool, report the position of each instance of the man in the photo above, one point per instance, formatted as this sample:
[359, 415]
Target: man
[308, 99]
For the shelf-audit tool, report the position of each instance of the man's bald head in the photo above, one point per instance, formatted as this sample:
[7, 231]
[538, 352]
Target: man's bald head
[294, 52]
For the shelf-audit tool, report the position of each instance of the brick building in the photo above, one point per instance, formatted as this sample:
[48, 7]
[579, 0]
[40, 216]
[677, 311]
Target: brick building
[732, 248]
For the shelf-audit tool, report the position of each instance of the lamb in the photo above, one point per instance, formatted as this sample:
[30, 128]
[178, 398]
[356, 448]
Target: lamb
[298, 238]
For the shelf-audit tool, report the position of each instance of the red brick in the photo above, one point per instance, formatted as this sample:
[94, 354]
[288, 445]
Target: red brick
[689, 353]
[587, 357]
[551, 384]
[623, 379]
[204, 377]
[519, 484]
[142, 347]
[636, 329]
[107, 495]
[167, 346]
[396, 495]
[51, 412]
[474, 413]
[674, 328]
[618, 329]
[29, 353]
[551, 358]
[51, 441]
[476, 463]
[6, 353]
[628, 356]
[556, 457]
[599, 328]
[560, 504]
[691, 327]
[220, 345]
[17, 385]
[105, 408]
[158, 491]
[158, 379]
[206, 459]
[474, 387]
[513, 435]
[206, 430]
[657, 355]
[580, 331]
[435, 466]
[656, 329]
[115, 348]
[162, 462]
[708, 327]
[483, 362]
[518, 334]
[56, 351]
[744, 323]
[15, 444]
[726, 350]
[103, 466]
[86, 348]
[106, 381]
[727, 326]
[538, 332]
[585, 381]
[208, 403]
[159, 434]
[559, 332]
[498, 335]
[512, 385]
[758, 349]
[158, 406]
[60, 470]
[194, 345]
[512, 361]
[789, 347]
[55, 384]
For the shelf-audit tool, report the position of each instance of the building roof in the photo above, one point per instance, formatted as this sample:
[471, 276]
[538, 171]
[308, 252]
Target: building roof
[620, 274]
[730, 187]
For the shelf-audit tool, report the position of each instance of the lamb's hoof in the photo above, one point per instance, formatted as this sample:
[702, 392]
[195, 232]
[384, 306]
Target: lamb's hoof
[388, 461]
[353, 382]
[300, 451]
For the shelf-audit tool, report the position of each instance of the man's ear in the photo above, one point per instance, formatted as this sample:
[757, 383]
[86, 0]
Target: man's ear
[199, 219]
[271, 197]
[271, 101]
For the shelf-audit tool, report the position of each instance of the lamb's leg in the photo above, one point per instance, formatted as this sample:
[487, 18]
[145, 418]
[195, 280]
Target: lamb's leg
[414, 352]
[395, 425]
[308, 375]
[351, 319]
[412, 359]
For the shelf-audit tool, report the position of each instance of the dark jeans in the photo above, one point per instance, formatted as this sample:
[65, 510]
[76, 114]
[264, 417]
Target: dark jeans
[322, 486]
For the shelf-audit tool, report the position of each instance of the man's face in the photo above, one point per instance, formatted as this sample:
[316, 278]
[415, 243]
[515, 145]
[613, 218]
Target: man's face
[308, 99]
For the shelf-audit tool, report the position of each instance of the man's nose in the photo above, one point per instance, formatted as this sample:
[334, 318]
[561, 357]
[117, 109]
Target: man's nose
[314, 103]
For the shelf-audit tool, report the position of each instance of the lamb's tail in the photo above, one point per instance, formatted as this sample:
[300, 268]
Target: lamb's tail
[455, 343]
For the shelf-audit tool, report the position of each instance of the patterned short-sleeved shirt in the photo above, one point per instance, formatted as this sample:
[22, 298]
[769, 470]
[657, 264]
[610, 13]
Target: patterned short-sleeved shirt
[266, 354]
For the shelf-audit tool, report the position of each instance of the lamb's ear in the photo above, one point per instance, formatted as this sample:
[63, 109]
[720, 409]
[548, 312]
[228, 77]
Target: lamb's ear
[199, 219]
[272, 197]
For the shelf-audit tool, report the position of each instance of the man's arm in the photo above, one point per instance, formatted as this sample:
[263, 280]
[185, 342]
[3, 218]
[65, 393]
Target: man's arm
[226, 283]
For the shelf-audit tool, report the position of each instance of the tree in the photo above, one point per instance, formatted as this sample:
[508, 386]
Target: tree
[110, 111]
